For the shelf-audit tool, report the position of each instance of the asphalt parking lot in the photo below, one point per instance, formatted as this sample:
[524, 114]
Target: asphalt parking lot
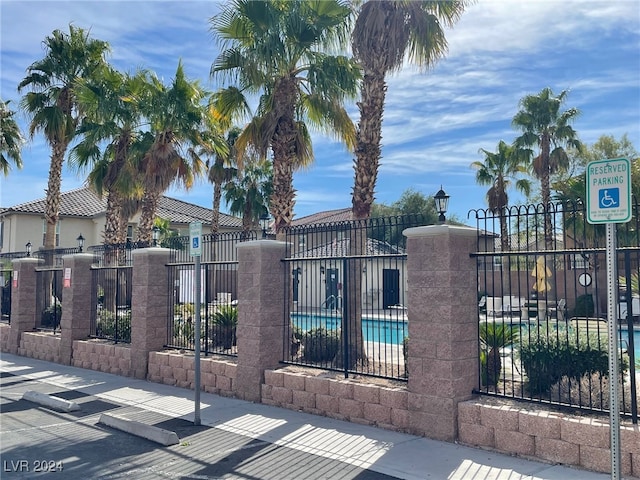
[39, 442]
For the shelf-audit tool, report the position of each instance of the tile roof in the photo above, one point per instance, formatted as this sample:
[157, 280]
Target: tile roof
[84, 202]
[328, 216]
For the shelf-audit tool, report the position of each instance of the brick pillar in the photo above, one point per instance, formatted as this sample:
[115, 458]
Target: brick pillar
[443, 326]
[261, 287]
[23, 300]
[75, 323]
[149, 306]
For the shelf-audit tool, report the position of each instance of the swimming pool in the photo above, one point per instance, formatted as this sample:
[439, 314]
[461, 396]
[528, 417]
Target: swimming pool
[624, 340]
[380, 330]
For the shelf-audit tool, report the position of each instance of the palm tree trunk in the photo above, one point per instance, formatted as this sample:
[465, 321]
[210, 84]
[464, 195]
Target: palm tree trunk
[369, 136]
[112, 218]
[352, 315]
[545, 188]
[149, 203]
[52, 209]
[215, 215]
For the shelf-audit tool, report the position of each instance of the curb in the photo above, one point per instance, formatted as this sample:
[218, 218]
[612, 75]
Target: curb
[155, 434]
[56, 403]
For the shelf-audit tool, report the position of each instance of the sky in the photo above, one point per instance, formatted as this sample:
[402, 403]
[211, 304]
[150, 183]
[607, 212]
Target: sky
[435, 121]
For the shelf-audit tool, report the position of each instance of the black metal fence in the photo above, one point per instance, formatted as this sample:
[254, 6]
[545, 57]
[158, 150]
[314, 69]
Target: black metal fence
[49, 283]
[218, 293]
[345, 308]
[111, 302]
[543, 307]
[53, 258]
[115, 254]
[5, 293]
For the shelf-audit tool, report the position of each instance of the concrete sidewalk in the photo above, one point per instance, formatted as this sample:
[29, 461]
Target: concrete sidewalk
[395, 454]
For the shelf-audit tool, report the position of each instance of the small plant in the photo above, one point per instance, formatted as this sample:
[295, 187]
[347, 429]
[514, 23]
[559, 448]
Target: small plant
[320, 345]
[493, 337]
[584, 306]
[225, 321]
[51, 316]
[186, 310]
[106, 326]
[593, 387]
[547, 357]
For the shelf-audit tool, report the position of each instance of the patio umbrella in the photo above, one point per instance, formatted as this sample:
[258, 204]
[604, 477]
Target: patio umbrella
[541, 273]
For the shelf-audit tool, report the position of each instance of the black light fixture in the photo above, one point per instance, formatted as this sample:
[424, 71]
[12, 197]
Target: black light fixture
[321, 270]
[80, 241]
[28, 247]
[264, 223]
[442, 202]
[155, 233]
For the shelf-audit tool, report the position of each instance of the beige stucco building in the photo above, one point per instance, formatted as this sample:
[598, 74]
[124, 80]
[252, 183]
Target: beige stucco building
[82, 212]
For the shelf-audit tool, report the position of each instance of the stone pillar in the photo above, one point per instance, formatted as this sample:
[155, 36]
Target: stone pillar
[75, 323]
[23, 300]
[261, 287]
[149, 306]
[443, 326]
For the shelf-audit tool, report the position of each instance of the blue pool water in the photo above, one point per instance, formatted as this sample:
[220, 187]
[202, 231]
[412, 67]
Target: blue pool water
[636, 340]
[380, 330]
[394, 331]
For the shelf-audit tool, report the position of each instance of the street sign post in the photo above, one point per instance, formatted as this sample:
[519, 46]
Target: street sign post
[195, 250]
[609, 202]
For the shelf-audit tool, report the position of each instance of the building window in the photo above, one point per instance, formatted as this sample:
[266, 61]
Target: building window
[579, 261]
[44, 232]
[129, 233]
[302, 241]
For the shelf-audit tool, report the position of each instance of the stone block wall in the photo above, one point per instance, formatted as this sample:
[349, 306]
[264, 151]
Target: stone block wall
[5, 330]
[549, 436]
[102, 356]
[40, 345]
[343, 399]
[217, 376]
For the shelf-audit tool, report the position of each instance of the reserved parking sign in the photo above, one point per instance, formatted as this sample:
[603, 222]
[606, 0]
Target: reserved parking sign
[609, 191]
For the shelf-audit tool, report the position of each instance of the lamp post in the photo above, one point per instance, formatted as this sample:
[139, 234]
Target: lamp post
[155, 233]
[442, 201]
[28, 247]
[264, 222]
[80, 241]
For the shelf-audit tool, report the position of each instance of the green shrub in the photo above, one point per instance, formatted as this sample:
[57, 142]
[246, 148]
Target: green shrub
[547, 357]
[106, 326]
[225, 321]
[320, 345]
[51, 316]
[493, 337]
[184, 309]
[584, 306]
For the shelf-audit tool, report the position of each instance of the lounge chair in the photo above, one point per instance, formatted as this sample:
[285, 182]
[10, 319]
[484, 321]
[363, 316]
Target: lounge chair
[558, 311]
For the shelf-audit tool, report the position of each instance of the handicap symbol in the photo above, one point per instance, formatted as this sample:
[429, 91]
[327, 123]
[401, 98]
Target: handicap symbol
[609, 198]
[195, 242]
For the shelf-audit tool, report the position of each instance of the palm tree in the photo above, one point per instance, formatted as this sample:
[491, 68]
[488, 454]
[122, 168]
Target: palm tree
[386, 33]
[546, 127]
[113, 119]
[175, 115]
[52, 105]
[11, 139]
[493, 337]
[221, 172]
[248, 195]
[498, 170]
[275, 50]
